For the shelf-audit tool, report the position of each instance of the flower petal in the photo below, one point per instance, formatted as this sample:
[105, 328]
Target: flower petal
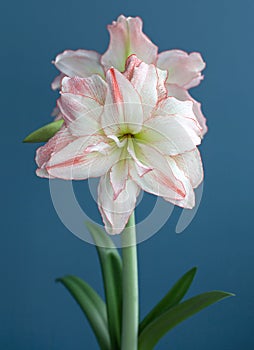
[183, 69]
[116, 212]
[148, 81]
[80, 159]
[169, 135]
[160, 180]
[183, 95]
[81, 113]
[118, 176]
[182, 111]
[190, 163]
[56, 83]
[123, 111]
[94, 87]
[61, 139]
[126, 38]
[188, 201]
[81, 63]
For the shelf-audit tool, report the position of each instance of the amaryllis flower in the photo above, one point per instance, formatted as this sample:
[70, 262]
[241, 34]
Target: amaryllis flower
[130, 133]
[127, 38]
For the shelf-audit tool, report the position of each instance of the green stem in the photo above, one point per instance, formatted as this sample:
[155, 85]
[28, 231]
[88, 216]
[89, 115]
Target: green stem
[130, 318]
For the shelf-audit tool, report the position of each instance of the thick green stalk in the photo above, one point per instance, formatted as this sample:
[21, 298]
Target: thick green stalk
[130, 314]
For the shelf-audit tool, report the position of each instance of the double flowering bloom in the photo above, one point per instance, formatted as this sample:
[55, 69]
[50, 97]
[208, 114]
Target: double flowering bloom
[128, 119]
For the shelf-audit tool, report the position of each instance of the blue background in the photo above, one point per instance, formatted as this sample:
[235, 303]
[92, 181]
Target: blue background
[36, 313]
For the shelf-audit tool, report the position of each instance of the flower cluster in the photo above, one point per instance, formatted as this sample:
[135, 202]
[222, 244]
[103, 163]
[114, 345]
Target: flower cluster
[128, 119]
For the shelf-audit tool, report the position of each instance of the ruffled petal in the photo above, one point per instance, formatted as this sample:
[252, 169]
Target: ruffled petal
[94, 87]
[81, 63]
[160, 180]
[182, 112]
[116, 211]
[126, 38]
[191, 165]
[56, 83]
[81, 104]
[183, 69]
[188, 202]
[170, 136]
[183, 95]
[83, 158]
[61, 139]
[123, 111]
[148, 81]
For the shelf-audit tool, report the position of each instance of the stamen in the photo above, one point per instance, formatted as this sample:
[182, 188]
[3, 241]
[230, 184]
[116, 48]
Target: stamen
[119, 143]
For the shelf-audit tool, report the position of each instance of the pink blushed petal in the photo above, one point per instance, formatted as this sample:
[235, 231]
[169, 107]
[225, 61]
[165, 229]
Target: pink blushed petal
[183, 95]
[80, 113]
[200, 116]
[147, 81]
[191, 165]
[188, 202]
[123, 111]
[94, 87]
[77, 162]
[116, 212]
[55, 144]
[183, 112]
[81, 63]
[183, 69]
[56, 83]
[126, 38]
[160, 180]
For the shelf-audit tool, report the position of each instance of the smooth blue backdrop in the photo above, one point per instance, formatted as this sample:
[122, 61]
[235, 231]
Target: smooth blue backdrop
[36, 313]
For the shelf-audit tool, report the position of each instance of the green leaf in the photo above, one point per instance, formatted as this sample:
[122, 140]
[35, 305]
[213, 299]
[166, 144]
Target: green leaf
[92, 306]
[159, 327]
[111, 267]
[173, 297]
[44, 133]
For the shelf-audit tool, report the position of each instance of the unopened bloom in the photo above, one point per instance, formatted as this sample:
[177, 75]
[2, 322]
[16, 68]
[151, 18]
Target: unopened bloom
[127, 131]
[127, 38]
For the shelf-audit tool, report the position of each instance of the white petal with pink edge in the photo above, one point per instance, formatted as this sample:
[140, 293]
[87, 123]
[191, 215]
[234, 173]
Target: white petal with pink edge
[188, 202]
[116, 211]
[123, 111]
[160, 180]
[148, 82]
[94, 87]
[183, 95]
[80, 159]
[169, 135]
[56, 83]
[126, 38]
[81, 63]
[191, 165]
[183, 69]
[81, 114]
[118, 176]
[55, 144]
[183, 111]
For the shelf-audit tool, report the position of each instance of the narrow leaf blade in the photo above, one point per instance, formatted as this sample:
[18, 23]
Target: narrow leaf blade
[111, 267]
[92, 306]
[44, 133]
[172, 298]
[177, 314]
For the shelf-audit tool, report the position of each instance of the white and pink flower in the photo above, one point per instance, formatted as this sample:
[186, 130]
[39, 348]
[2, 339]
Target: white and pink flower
[128, 131]
[127, 38]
